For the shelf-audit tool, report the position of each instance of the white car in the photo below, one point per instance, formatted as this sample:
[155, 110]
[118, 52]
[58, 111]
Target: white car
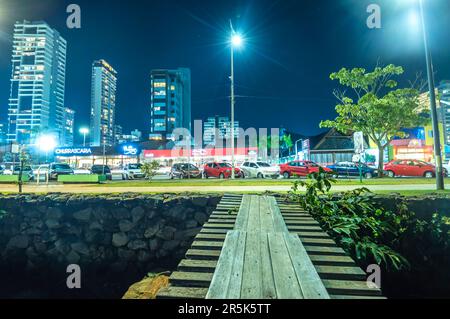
[133, 171]
[163, 170]
[447, 167]
[260, 170]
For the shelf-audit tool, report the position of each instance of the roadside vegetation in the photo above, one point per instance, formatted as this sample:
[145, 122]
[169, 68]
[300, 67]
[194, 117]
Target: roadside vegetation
[411, 251]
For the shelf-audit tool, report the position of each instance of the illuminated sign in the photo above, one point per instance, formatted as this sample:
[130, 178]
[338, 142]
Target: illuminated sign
[73, 151]
[130, 150]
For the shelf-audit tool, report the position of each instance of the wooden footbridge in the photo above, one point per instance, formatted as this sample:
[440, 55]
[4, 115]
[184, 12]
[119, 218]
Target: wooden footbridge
[258, 247]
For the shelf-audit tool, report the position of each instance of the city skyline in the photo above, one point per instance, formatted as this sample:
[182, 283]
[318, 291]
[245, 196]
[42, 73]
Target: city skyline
[304, 86]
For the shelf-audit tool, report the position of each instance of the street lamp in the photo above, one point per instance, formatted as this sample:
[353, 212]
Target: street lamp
[84, 131]
[434, 117]
[236, 42]
[46, 143]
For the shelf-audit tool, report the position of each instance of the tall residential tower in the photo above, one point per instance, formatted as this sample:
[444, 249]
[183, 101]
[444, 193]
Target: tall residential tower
[103, 103]
[170, 102]
[36, 103]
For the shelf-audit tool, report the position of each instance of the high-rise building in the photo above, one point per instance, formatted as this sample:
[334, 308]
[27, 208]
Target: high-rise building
[170, 102]
[444, 95]
[36, 102]
[2, 134]
[118, 132]
[103, 103]
[223, 126]
[69, 126]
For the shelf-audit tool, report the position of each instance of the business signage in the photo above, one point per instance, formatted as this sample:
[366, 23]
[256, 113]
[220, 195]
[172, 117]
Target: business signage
[73, 151]
[208, 152]
[129, 150]
[306, 145]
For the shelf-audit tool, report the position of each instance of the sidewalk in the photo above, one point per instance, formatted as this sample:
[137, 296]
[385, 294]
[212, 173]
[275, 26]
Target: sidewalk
[195, 189]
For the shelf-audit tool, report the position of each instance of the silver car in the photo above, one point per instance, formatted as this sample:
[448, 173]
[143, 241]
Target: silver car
[260, 170]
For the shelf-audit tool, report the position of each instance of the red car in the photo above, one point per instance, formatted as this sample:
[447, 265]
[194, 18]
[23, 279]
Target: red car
[300, 168]
[411, 168]
[220, 170]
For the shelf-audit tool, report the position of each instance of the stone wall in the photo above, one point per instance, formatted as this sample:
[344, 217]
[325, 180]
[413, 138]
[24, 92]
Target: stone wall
[105, 235]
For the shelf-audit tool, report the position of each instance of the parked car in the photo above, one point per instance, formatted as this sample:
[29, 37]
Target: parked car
[57, 169]
[185, 171]
[163, 170]
[27, 170]
[220, 170]
[133, 171]
[413, 168]
[447, 168]
[102, 170]
[259, 170]
[300, 168]
[40, 171]
[352, 169]
[119, 172]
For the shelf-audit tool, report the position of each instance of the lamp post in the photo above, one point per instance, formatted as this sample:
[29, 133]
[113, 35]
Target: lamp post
[236, 42]
[84, 131]
[434, 117]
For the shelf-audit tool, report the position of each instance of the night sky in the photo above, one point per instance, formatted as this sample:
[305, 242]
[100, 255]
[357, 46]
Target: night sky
[282, 72]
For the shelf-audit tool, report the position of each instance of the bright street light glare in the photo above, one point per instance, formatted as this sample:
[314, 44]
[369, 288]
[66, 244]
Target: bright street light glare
[414, 19]
[84, 130]
[236, 40]
[46, 143]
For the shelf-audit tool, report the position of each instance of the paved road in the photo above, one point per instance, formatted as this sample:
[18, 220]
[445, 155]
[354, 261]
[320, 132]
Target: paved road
[179, 189]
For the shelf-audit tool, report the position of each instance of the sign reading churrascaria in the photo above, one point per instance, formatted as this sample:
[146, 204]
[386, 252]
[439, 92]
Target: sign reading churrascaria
[73, 151]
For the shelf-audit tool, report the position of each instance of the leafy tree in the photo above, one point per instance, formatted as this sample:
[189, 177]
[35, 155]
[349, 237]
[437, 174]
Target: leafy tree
[377, 107]
[286, 142]
[150, 169]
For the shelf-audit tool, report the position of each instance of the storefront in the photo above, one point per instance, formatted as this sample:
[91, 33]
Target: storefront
[199, 157]
[85, 157]
[412, 149]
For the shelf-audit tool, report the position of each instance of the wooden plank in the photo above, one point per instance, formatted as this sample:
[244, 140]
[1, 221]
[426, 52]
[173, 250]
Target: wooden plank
[218, 226]
[214, 231]
[190, 279]
[308, 234]
[172, 292]
[252, 271]
[347, 287]
[211, 237]
[242, 217]
[310, 283]
[286, 283]
[189, 265]
[304, 228]
[278, 221]
[324, 250]
[323, 260]
[341, 273]
[234, 289]
[228, 267]
[207, 245]
[202, 254]
[268, 283]
[318, 242]
[254, 219]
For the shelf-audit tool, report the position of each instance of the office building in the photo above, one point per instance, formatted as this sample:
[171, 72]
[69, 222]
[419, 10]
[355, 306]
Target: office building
[444, 97]
[103, 103]
[36, 102]
[68, 128]
[221, 125]
[170, 102]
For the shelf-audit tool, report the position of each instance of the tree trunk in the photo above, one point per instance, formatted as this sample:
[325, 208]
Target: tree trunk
[380, 161]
